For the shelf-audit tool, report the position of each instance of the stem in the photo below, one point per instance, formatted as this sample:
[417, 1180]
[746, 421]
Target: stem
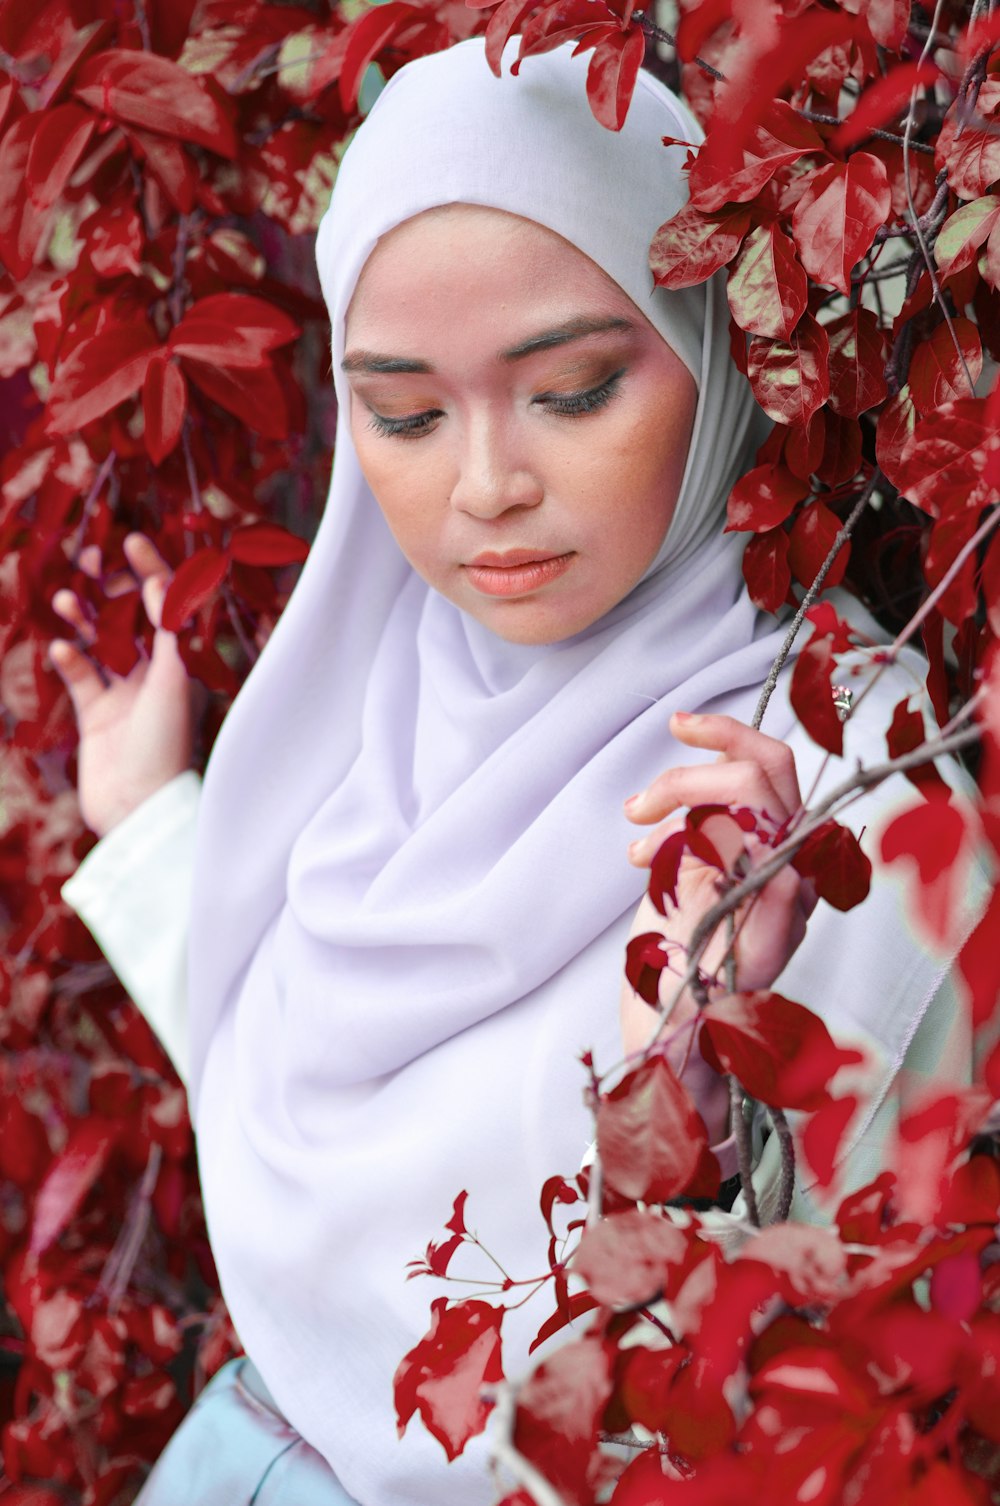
[659, 35]
[810, 597]
[926, 607]
[104, 470]
[784, 1133]
[524, 1474]
[742, 1131]
[843, 794]
[835, 120]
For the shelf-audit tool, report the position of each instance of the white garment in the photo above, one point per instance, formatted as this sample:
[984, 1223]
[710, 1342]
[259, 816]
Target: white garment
[410, 893]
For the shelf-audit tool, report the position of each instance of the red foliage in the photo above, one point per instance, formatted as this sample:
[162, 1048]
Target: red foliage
[157, 165]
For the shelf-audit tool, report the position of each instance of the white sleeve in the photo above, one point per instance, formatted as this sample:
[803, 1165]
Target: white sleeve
[133, 893]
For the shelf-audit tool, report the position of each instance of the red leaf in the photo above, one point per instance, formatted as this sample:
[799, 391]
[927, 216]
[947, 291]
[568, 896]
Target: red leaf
[956, 1287]
[938, 371]
[566, 20]
[907, 732]
[649, 1134]
[767, 284]
[194, 583]
[945, 455]
[781, 137]
[822, 1136]
[255, 397]
[780, 1051]
[813, 535]
[803, 446]
[812, 694]
[68, 1181]
[645, 958]
[626, 1257]
[574, 1307]
[949, 537]
[372, 31]
[963, 232]
[763, 498]
[765, 569]
[612, 75]
[928, 1140]
[833, 859]
[969, 150]
[164, 404]
[644, 1385]
[39, 153]
[882, 101]
[790, 380]
[170, 164]
[979, 965]
[266, 544]
[100, 373]
[835, 219]
[932, 837]
[692, 245]
[888, 20]
[896, 423]
[559, 1410]
[58, 142]
[502, 24]
[443, 1375]
[857, 362]
[841, 459]
[664, 870]
[144, 89]
[232, 330]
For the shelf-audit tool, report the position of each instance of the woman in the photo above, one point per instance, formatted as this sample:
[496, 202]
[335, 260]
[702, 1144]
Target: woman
[410, 894]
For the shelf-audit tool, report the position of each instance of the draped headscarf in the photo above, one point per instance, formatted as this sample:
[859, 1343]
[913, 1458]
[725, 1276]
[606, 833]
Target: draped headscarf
[411, 893]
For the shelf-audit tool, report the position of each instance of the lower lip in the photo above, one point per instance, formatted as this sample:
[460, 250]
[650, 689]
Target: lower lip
[516, 580]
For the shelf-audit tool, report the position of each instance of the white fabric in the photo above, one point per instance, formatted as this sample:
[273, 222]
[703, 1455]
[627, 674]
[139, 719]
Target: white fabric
[410, 893]
[133, 891]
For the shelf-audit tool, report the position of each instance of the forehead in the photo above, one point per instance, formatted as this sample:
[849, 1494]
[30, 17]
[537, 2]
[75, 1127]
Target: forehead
[459, 260]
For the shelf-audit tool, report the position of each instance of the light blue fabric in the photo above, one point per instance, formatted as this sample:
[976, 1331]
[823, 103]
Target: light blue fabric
[235, 1448]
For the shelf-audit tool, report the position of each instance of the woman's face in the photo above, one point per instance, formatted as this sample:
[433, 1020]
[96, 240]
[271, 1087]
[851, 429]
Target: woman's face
[521, 424]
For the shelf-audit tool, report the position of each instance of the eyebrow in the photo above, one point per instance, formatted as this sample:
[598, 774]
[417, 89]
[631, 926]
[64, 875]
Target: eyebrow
[562, 334]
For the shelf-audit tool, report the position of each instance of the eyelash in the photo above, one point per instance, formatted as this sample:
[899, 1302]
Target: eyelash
[569, 405]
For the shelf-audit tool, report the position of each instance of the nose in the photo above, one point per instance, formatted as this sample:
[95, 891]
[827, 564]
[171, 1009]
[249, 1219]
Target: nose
[492, 475]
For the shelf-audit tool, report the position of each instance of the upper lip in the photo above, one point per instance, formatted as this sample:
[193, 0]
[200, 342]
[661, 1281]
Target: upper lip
[514, 557]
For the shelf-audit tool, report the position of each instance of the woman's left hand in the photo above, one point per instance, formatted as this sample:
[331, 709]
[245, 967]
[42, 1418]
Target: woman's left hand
[752, 771]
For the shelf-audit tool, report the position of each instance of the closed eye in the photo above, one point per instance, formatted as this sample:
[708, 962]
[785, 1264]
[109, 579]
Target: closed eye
[409, 427]
[572, 404]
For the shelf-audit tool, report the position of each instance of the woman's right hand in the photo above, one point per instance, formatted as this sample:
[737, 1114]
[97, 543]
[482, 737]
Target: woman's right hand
[136, 731]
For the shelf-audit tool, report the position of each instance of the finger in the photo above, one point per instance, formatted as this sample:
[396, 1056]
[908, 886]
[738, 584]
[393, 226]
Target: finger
[735, 740]
[79, 676]
[90, 560]
[707, 784]
[154, 591]
[642, 851]
[66, 604]
[144, 557]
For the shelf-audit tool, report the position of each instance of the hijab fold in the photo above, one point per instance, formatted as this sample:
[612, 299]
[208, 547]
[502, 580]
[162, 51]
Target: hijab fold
[411, 894]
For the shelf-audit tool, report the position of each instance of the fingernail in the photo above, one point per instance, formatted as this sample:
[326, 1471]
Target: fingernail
[635, 800]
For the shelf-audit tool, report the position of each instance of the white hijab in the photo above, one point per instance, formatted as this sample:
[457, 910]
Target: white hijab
[411, 892]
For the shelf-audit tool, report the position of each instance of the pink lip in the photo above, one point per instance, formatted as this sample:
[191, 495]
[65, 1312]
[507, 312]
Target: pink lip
[512, 558]
[517, 573]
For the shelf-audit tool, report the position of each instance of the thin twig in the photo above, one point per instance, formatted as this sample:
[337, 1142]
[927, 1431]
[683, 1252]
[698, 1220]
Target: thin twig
[659, 35]
[834, 120]
[842, 795]
[810, 596]
[787, 1148]
[743, 1154]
